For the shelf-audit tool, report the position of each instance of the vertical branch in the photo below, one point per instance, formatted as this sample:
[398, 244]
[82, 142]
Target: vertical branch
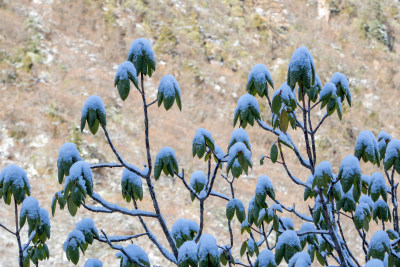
[393, 189]
[305, 130]
[148, 176]
[21, 257]
[201, 220]
[311, 133]
[146, 125]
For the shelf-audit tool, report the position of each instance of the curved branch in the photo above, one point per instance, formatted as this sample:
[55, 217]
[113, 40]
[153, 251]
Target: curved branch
[5, 228]
[118, 238]
[120, 159]
[120, 248]
[301, 159]
[116, 208]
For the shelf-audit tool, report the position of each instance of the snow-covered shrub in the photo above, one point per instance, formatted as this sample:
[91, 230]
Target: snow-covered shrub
[270, 236]
[14, 186]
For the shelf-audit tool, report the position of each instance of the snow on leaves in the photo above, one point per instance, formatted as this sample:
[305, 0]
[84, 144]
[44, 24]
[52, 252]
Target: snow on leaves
[14, 182]
[142, 56]
[263, 188]
[342, 86]
[287, 246]
[168, 92]
[77, 185]
[259, 78]
[381, 211]
[30, 212]
[392, 156]
[301, 69]
[184, 230]
[207, 251]
[239, 159]
[383, 140]
[74, 242]
[362, 216]
[330, 99]
[201, 141]
[67, 156]
[166, 162]
[131, 185]
[187, 254]
[322, 175]
[94, 113]
[235, 205]
[300, 259]
[349, 175]
[247, 110]
[135, 253]
[265, 259]
[377, 187]
[367, 148]
[379, 245]
[198, 182]
[80, 238]
[283, 107]
[126, 72]
[240, 135]
[93, 263]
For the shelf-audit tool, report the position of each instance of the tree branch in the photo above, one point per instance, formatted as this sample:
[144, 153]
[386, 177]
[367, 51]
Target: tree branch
[116, 208]
[5, 228]
[106, 165]
[120, 248]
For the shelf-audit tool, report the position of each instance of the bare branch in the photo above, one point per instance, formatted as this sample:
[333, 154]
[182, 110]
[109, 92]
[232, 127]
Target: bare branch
[116, 208]
[148, 105]
[118, 238]
[320, 123]
[5, 228]
[120, 159]
[277, 132]
[120, 248]
[106, 165]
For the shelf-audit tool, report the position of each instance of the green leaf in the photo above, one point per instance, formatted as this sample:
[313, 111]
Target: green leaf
[230, 211]
[284, 121]
[243, 248]
[276, 104]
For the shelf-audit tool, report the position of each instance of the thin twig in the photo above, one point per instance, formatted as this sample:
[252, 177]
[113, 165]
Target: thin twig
[5, 228]
[148, 105]
[120, 248]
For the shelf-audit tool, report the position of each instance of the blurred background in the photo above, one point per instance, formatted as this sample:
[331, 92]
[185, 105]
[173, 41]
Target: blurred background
[54, 54]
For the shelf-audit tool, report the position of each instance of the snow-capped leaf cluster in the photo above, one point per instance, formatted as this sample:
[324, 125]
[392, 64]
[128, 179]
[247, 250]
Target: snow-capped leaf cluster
[94, 112]
[239, 159]
[14, 183]
[168, 92]
[203, 143]
[142, 56]
[67, 156]
[184, 230]
[235, 206]
[259, 78]
[166, 162]
[78, 184]
[126, 72]
[301, 69]
[284, 108]
[247, 111]
[131, 185]
[367, 148]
